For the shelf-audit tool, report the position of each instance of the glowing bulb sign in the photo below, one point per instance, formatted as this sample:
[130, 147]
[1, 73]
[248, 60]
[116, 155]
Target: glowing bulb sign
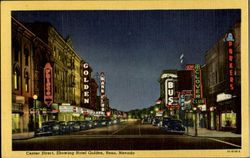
[102, 89]
[171, 102]
[86, 86]
[48, 85]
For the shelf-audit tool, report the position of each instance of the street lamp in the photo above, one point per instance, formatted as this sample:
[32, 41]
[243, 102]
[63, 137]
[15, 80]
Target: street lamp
[195, 112]
[35, 98]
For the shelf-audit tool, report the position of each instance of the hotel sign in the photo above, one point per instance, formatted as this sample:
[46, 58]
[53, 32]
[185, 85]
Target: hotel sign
[48, 85]
[86, 86]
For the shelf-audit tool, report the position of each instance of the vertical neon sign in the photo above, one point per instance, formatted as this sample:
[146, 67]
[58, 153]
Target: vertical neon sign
[48, 85]
[230, 51]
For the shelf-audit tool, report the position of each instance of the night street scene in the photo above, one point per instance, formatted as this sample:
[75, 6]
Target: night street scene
[126, 80]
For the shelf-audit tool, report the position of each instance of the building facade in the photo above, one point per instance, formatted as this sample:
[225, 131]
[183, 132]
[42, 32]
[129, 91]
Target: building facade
[29, 56]
[223, 82]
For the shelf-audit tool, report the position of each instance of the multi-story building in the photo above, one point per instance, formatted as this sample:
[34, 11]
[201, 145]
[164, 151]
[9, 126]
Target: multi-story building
[223, 82]
[93, 94]
[64, 61]
[29, 55]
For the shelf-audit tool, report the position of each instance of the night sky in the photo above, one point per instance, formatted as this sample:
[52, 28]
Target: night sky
[133, 47]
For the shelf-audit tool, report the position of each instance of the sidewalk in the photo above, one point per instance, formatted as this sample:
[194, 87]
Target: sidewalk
[203, 132]
[25, 135]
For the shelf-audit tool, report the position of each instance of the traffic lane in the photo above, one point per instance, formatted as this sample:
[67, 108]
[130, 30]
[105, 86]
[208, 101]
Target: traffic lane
[236, 141]
[86, 142]
[108, 130]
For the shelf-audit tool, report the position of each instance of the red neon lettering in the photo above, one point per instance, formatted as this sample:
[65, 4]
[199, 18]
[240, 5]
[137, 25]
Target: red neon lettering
[231, 72]
[231, 79]
[230, 58]
[231, 66]
[230, 51]
[230, 44]
[47, 93]
[231, 86]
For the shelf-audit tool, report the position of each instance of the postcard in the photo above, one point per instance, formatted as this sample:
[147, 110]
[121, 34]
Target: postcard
[125, 78]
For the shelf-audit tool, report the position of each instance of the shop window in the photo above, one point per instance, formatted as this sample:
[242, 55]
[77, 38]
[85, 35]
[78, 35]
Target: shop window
[15, 123]
[16, 79]
[26, 57]
[228, 120]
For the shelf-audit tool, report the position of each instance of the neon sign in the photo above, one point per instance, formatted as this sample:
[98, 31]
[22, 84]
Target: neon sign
[197, 82]
[102, 89]
[48, 85]
[230, 61]
[86, 86]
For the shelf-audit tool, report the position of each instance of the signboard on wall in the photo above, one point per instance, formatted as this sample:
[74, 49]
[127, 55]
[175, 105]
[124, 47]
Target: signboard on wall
[102, 91]
[231, 63]
[48, 85]
[86, 85]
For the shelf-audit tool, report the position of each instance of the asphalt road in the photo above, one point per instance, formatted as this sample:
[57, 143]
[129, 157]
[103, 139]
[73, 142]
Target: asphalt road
[125, 136]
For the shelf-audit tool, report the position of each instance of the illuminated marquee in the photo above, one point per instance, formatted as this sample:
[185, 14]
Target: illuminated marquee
[230, 40]
[86, 87]
[48, 85]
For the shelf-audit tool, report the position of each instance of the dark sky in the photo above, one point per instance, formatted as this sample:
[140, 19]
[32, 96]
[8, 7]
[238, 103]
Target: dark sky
[133, 47]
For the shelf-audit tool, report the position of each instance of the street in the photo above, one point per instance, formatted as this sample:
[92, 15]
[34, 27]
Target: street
[125, 136]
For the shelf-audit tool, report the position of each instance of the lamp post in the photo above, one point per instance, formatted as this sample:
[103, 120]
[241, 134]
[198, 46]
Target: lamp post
[35, 98]
[195, 120]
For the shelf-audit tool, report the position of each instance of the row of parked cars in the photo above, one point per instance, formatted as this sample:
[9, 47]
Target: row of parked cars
[62, 127]
[167, 124]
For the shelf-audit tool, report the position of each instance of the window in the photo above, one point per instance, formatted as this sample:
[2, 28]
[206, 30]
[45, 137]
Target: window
[16, 49]
[16, 79]
[26, 78]
[26, 57]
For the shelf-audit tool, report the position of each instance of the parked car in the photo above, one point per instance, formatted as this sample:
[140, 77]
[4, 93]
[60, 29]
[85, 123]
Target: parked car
[91, 124]
[164, 121]
[48, 128]
[104, 122]
[174, 126]
[110, 122]
[156, 122]
[45, 130]
[83, 125]
[73, 126]
[64, 127]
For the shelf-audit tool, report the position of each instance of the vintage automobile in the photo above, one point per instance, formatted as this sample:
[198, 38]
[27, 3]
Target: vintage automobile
[73, 126]
[156, 122]
[164, 121]
[64, 127]
[174, 126]
[48, 128]
[83, 125]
